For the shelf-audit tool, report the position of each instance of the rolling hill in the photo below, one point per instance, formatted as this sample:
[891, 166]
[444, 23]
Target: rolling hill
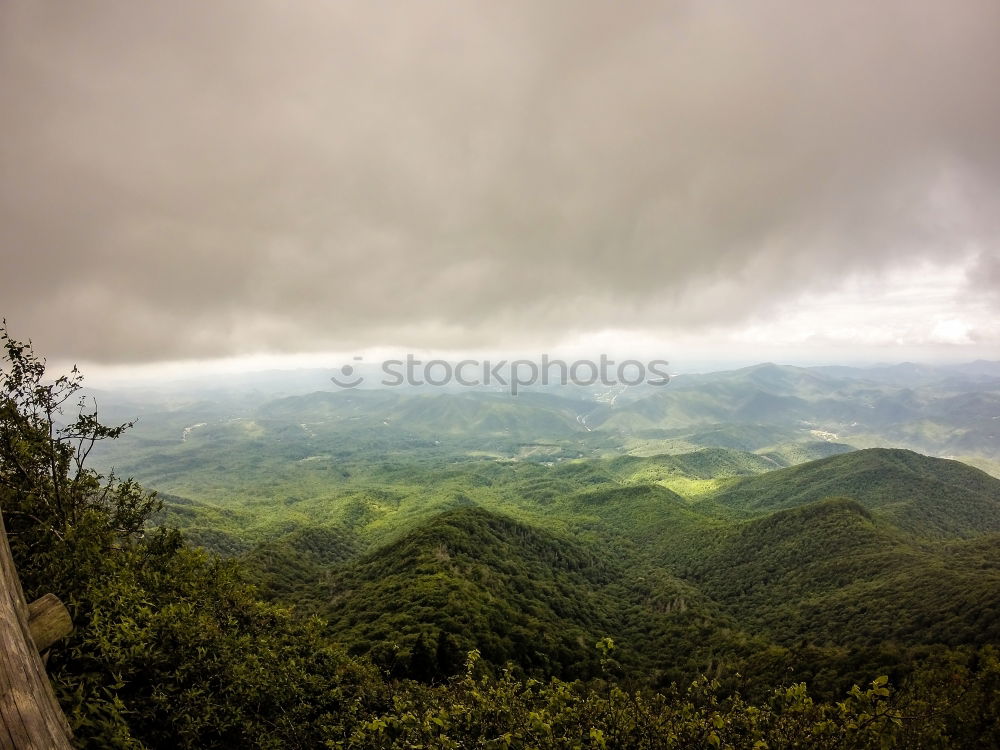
[921, 494]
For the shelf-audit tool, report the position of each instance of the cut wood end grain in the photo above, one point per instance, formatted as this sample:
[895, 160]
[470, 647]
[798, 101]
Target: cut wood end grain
[48, 621]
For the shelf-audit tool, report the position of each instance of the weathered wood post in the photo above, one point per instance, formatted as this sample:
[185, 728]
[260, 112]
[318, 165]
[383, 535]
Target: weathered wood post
[48, 621]
[30, 717]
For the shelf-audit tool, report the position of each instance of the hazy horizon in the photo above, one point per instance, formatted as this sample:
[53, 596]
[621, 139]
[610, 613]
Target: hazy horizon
[220, 373]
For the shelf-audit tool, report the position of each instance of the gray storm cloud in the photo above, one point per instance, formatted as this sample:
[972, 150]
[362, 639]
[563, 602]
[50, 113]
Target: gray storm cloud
[190, 179]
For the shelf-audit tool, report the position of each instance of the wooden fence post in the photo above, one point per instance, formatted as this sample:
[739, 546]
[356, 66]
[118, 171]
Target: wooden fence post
[30, 716]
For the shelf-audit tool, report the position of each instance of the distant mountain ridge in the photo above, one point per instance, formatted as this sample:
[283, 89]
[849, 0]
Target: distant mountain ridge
[930, 496]
[783, 412]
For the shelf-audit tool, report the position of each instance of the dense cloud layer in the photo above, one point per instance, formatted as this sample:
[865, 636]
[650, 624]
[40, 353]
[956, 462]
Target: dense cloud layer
[198, 179]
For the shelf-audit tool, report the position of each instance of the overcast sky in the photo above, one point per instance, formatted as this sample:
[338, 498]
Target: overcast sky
[802, 180]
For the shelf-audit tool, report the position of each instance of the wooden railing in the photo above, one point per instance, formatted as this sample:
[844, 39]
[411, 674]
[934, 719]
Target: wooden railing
[30, 717]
